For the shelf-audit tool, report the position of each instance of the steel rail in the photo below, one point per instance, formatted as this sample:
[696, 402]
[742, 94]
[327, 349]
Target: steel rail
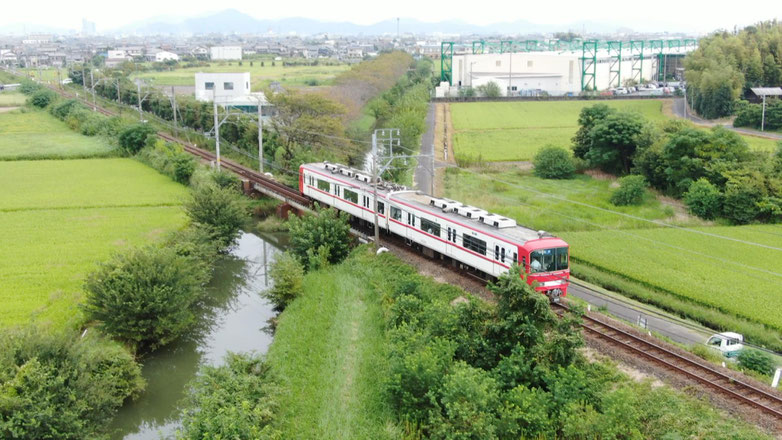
[742, 391]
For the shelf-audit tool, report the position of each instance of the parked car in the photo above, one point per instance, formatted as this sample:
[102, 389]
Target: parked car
[727, 343]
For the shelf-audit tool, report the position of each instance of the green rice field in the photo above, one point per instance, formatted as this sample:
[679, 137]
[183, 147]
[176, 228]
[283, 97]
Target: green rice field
[29, 134]
[512, 131]
[290, 76]
[60, 218]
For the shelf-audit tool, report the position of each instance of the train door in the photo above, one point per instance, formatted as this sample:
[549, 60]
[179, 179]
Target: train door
[451, 238]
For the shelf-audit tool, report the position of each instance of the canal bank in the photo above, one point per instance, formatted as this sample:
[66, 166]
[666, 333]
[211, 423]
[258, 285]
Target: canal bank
[235, 318]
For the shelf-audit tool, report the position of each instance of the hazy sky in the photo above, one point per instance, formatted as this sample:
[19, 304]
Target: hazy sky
[686, 15]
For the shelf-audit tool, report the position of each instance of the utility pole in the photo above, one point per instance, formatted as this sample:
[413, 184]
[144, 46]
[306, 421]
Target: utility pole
[140, 99]
[260, 136]
[763, 115]
[685, 102]
[92, 86]
[374, 189]
[173, 108]
[83, 79]
[217, 126]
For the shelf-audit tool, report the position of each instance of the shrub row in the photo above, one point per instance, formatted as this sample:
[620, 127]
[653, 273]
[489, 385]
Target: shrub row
[465, 369]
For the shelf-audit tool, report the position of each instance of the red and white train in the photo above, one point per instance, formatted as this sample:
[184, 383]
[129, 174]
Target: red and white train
[472, 237]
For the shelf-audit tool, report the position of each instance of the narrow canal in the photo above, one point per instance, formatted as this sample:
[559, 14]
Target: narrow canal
[235, 319]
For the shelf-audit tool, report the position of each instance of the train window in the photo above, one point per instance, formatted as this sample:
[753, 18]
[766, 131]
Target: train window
[502, 255]
[411, 219]
[474, 244]
[449, 233]
[496, 252]
[381, 208]
[324, 185]
[396, 213]
[430, 227]
[545, 260]
[523, 262]
[350, 196]
[336, 190]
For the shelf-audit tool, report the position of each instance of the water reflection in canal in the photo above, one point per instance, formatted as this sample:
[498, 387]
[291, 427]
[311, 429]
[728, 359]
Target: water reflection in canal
[235, 320]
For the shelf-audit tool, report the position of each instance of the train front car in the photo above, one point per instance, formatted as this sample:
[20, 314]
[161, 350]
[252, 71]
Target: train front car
[546, 262]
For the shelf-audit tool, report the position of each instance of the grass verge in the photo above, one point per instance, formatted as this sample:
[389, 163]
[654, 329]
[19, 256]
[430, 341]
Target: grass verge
[329, 353]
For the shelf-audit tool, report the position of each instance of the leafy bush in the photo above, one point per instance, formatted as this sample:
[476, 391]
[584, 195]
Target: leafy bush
[42, 98]
[553, 163]
[133, 138]
[631, 191]
[490, 90]
[224, 179]
[756, 360]
[233, 401]
[704, 199]
[287, 274]
[63, 108]
[29, 87]
[317, 239]
[61, 386]
[169, 159]
[219, 211]
[146, 297]
[743, 193]
[470, 398]
[749, 116]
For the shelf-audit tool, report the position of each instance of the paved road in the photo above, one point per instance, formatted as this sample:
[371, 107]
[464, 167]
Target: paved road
[678, 110]
[678, 330]
[423, 179]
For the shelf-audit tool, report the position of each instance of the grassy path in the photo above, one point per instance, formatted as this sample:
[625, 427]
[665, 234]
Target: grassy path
[330, 354]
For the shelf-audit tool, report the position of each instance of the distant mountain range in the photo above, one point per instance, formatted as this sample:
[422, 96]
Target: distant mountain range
[233, 21]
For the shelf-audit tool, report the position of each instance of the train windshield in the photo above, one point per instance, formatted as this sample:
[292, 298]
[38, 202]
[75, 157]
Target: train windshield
[548, 260]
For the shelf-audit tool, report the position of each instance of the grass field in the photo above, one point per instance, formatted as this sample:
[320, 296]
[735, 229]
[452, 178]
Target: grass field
[37, 134]
[508, 131]
[44, 255]
[329, 353]
[12, 99]
[288, 76]
[62, 217]
[529, 206]
[736, 278]
[515, 131]
[85, 183]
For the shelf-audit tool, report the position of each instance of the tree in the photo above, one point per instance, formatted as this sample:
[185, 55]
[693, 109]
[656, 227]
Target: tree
[704, 199]
[756, 360]
[218, 210]
[146, 297]
[237, 400]
[553, 163]
[287, 276]
[42, 98]
[613, 142]
[744, 190]
[59, 385]
[323, 237]
[469, 398]
[490, 90]
[587, 119]
[631, 191]
[134, 138]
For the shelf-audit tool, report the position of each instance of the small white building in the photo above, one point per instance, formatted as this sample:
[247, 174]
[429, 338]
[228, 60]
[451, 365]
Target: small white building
[166, 56]
[230, 90]
[226, 52]
[115, 58]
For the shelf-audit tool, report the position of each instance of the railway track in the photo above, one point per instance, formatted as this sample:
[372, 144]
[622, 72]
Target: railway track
[701, 372]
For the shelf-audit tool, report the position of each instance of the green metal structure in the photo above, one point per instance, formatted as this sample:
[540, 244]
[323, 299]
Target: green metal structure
[446, 61]
[615, 64]
[637, 66]
[639, 50]
[588, 65]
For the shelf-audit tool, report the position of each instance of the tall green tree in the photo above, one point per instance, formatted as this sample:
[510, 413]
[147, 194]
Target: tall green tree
[614, 141]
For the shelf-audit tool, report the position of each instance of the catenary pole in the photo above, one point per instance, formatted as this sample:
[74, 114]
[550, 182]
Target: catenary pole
[217, 126]
[260, 135]
[173, 108]
[374, 189]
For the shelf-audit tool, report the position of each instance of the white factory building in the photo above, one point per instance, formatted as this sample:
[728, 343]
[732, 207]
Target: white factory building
[226, 52]
[555, 73]
[230, 90]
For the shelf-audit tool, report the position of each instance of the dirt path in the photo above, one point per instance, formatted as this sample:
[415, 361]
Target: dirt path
[7, 109]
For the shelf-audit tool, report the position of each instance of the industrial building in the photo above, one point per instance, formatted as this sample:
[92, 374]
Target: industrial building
[230, 90]
[558, 69]
[226, 52]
